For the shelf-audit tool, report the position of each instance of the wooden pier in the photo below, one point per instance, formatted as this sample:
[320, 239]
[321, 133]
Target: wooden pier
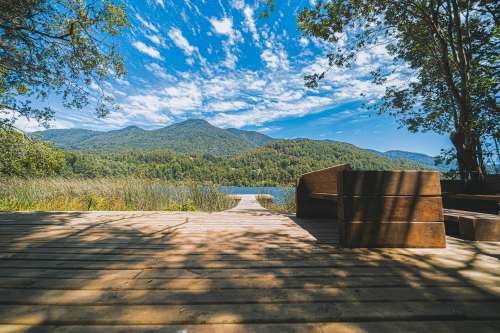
[242, 270]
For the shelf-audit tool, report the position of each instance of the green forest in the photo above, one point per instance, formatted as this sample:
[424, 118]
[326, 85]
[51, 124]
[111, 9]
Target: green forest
[276, 163]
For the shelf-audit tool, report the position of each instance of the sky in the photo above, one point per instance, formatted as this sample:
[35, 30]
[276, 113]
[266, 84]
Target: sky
[216, 60]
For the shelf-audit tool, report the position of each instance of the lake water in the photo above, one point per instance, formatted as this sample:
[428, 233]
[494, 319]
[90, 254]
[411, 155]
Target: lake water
[278, 193]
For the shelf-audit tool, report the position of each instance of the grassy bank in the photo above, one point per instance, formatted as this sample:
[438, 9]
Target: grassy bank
[46, 194]
[286, 205]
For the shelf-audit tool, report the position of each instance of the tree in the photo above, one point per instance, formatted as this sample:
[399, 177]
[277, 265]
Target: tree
[57, 48]
[450, 48]
[24, 157]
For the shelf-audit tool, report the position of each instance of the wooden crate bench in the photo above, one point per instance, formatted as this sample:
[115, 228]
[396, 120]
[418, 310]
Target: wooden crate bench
[390, 209]
[472, 225]
[376, 208]
[475, 196]
[317, 193]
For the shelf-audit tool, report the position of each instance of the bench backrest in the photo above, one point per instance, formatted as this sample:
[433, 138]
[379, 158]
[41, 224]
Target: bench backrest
[322, 181]
[490, 185]
[376, 183]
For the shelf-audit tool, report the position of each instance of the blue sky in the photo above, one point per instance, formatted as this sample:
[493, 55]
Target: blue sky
[216, 60]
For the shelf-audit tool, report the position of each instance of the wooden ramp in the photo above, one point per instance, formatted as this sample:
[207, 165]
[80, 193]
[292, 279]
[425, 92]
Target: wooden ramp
[243, 270]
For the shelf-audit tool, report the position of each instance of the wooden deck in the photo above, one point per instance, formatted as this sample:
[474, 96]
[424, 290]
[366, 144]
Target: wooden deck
[243, 270]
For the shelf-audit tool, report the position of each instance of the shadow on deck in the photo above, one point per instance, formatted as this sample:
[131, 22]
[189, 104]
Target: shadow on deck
[232, 271]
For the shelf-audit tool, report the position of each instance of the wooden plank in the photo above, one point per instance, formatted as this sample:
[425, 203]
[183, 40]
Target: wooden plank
[198, 264]
[472, 225]
[392, 208]
[243, 296]
[487, 197]
[200, 273]
[419, 183]
[322, 181]
[105, 282]
[394, 234]
[325, 196]
[245, 313]
[455, 326]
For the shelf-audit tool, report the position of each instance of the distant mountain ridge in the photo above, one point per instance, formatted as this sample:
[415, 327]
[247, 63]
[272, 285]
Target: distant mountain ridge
[194, 136]
[190, 136]
[420, 158]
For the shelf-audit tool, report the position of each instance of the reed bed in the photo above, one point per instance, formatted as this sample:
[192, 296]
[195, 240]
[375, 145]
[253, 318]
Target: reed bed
[286, 205]
[60, 194]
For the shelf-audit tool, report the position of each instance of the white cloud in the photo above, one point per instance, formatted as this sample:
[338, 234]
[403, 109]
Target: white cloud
[272, 60]
[94, 86]
[155, 39]
[250, 23]
[238, 4]
[231, 58]
[149, 50]
[31, 125]
[223, 106]
[304, 41]
[147, 107]
[363, 58]
[147, 24]
[182, 97]
[180, 41]
[223, 26]
[122, 82]
[160, 3]
[159, 71]
[275, 60]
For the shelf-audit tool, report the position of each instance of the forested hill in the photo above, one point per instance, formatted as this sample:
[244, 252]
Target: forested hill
[193, 136]
[278, 162]
[192, 148]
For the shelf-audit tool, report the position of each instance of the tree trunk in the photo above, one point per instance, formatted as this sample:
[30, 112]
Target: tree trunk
[469, 154]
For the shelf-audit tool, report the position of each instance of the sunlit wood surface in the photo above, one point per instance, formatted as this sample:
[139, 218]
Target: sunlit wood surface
[243, 270]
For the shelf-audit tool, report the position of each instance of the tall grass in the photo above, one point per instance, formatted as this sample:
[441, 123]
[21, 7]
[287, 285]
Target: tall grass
[48, 194]
[285, 205]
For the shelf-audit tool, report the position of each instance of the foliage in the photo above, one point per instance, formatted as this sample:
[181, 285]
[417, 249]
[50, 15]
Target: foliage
[447, 48]
[17, 194]
[191, 136]
[278, 163]
[57, 48]
[23, 156]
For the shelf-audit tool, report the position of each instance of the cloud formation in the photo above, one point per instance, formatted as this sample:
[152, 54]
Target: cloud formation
[149, 50]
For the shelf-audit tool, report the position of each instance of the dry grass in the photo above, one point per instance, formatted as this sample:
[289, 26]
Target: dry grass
[59, 194]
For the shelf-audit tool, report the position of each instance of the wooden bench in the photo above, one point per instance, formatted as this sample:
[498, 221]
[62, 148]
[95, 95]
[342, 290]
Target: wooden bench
[472, 225]
[317, 193]
[376, 208]
[391, 209]
[474, 196]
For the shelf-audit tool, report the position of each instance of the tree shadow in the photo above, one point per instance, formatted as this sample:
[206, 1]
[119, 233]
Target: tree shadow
[256, 271]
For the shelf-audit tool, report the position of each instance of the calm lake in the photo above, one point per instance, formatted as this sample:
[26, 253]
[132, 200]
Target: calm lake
[278, 193]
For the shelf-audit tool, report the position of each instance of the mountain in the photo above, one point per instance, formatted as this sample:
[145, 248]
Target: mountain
[256, 138]
[419, 158]
[190, 136]
[406, 155]
[68, 138]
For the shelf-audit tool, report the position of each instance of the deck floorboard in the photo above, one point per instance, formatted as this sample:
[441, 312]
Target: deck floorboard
[242, 270]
